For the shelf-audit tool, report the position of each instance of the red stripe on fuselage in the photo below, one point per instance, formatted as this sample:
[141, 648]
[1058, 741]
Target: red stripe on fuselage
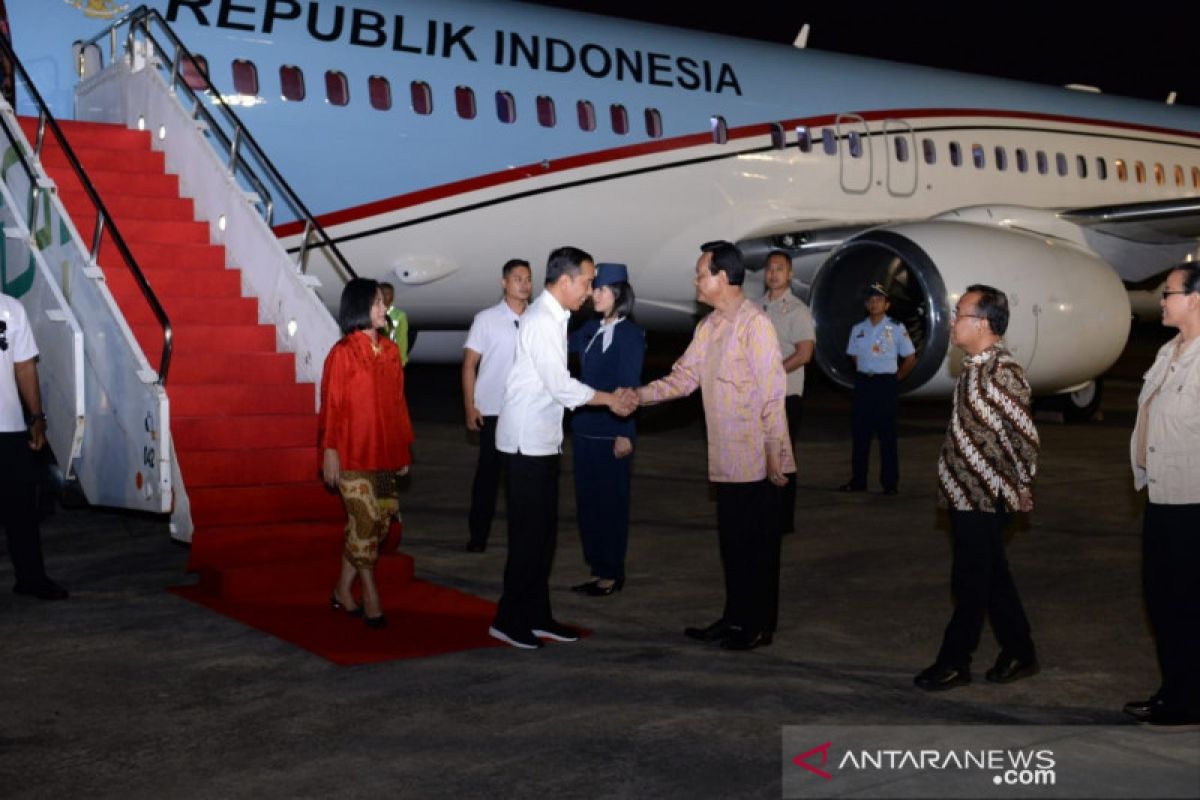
[548, 167]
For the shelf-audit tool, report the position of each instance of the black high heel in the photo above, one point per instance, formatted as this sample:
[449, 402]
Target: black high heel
[375, 622]
[336, 605]
[594, 589]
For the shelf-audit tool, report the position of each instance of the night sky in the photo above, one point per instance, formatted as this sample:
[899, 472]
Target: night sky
[1145, 50]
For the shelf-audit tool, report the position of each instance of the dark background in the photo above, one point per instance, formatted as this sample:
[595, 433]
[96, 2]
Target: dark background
[1144, 50]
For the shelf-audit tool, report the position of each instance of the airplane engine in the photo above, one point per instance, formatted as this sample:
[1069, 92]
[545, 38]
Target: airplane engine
[1069, 312]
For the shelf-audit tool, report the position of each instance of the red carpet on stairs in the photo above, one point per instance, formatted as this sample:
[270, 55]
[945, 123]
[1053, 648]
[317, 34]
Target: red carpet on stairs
[267, 534]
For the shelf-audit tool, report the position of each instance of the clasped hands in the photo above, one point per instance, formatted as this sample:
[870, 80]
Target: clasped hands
[624, 401]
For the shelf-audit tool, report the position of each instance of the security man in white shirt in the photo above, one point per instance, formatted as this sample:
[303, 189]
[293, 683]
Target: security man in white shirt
[529, 433]
[18, 440]
[490, 348]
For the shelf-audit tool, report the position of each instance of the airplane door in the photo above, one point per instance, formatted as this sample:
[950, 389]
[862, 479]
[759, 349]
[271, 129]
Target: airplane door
[901, 147]
[857, 155]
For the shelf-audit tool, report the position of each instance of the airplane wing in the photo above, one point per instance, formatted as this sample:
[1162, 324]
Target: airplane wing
[1141, 240]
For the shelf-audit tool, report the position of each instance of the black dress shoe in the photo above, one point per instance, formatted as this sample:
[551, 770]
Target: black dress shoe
[850, 486]
[1008, 669]
[582, 588]
[375, 622]
[939, 678]
[476, 547]
[713, 633]
[744, 640]
[594, 589]
[46, 590]
[336, 605]
[1142, 709]
[892, 491]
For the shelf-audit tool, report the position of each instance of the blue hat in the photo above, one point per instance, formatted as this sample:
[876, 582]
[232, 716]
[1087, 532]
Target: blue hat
[607, 274]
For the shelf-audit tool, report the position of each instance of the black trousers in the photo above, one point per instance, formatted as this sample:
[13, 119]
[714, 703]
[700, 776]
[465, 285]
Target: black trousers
[787, 512]
[1171, 580]
[486, 484]
[532, 499]
[18, 509]
[983, 587]
[873, 413]
[748, 530]
[602, 505]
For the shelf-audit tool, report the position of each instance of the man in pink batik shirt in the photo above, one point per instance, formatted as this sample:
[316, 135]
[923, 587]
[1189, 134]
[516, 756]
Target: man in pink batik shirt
[734, 359]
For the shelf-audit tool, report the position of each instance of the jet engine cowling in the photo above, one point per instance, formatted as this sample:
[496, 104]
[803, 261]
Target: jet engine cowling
[1069, 312]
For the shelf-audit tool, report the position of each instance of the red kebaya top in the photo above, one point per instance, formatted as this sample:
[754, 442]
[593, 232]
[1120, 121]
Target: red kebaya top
[364, 415]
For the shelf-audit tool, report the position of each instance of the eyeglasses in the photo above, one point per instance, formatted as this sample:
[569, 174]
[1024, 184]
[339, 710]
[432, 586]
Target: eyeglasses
[1168, 292]
[955, 315]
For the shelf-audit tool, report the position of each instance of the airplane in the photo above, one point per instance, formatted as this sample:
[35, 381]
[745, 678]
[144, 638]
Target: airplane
[435, 140]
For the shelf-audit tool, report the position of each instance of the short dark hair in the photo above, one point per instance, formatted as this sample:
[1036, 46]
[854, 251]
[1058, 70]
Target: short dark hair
[992, 306]
[623, 298]
[565, 261]
[512, 264]
[1191, 275]
[782, 254]
[354, 310]
[726, 258]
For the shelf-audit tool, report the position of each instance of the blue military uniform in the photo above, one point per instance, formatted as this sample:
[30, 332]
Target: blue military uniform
[610, 357]
[877, 350]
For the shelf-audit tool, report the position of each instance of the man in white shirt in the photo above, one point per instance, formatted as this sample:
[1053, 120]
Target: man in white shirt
[18, 511]
[529, 434]
[490, 348]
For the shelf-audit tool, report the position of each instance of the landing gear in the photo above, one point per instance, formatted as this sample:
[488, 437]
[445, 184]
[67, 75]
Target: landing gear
[1081, 405]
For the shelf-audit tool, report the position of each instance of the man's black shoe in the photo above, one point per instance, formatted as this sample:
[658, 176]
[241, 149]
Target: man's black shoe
[476, 547]
[556, 631]
[1141, 709]
[891, 491]
[744, 640]
[523, 640]
[713, 633]
[1163, 714]
[939, 678]
[46, 590]
[1008, 669]
[850, 486]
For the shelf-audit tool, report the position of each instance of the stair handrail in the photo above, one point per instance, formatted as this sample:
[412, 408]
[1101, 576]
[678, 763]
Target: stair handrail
[141, 19]
[103, 218]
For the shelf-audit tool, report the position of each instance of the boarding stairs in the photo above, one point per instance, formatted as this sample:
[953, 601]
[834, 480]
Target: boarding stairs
[234, 327]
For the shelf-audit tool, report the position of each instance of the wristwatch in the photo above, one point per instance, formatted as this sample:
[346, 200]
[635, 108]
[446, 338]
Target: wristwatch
[35, 417]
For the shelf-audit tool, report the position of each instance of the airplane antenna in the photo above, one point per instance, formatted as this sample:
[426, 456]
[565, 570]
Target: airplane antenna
[801, 41]
[1171, 99]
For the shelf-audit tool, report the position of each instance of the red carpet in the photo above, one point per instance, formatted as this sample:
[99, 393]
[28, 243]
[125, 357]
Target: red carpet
[267, 534]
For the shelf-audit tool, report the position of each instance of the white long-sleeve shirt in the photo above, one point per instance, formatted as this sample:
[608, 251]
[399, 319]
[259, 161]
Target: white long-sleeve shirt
[539, 386]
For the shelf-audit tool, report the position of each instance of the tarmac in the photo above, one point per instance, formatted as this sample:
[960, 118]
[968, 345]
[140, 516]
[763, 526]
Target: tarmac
[126, 690]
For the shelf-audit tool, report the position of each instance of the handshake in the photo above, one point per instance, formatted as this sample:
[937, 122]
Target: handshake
[623, 401]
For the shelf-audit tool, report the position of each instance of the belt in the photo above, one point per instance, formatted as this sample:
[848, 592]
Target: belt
[870, 375]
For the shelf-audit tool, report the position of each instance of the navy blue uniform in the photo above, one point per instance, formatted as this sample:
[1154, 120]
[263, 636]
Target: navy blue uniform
[877, 350]
[601, 479]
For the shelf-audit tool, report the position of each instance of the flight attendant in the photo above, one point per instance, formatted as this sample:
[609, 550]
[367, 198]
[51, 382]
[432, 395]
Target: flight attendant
[611, 349]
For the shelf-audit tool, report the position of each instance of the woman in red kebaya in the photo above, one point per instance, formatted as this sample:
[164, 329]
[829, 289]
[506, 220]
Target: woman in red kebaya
[365, 437]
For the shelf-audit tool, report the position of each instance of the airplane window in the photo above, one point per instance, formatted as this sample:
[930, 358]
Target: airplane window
[1179, 181]
[956, 154]
[1122, 173]
[1101, 168]
[930, 149]
[720, 131]
[1042, 163]
[587, 115]
[379, 92]
[193, 70]
[1001, 158]
[506, 107]
[1196, 177]
[337, 90]
[654, 123]
[1139, 171]
[855, 142]
[803, 139]
[1160, 177]
[1022, 160]
[245, 77]
[619, 118]
[778, 137]
[978, 156]
[1060, 162]
[545, 111]
[291, 83]
[464, 101]
[901, 148]
[1081, 166]
[421, 97]
[829, 142]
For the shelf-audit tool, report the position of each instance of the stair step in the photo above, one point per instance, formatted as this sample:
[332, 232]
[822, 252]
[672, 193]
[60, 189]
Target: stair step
[260, 368]
[138, 184]
[101, 158]
[137, 232]
[82, 133]
[130, 206]
[168, 283]
[241, 467]
[185, 309]
[281, 502]
[244, 432]
[189, 255]
[224, 399]
[191, 339]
